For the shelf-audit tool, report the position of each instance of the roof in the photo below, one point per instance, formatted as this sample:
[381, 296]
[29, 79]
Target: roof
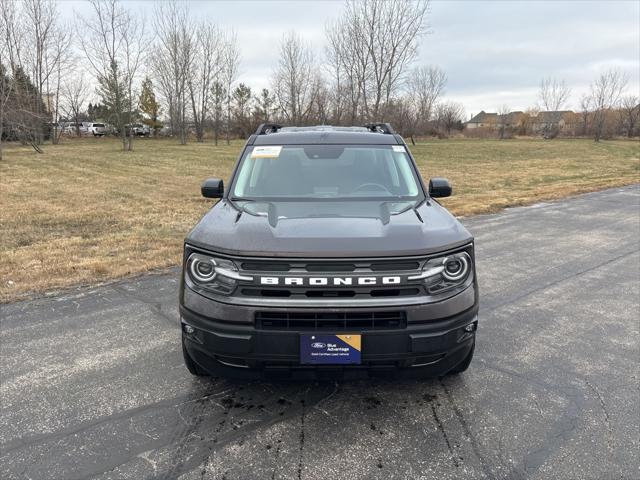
[552, 117]
[484, 117]
[325, 134]
[511, 117]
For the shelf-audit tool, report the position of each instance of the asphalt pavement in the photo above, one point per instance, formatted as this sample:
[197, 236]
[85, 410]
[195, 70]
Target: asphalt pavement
[93, 384]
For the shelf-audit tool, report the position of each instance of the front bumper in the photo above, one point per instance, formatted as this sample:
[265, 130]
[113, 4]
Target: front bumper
[227, 342]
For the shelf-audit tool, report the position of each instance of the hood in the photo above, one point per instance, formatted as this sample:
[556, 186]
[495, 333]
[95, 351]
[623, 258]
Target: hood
[328, 229]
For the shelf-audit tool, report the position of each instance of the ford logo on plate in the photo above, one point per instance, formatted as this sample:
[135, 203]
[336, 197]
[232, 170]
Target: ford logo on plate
[318, 345]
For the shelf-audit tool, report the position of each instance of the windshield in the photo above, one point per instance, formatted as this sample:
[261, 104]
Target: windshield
[325, 172]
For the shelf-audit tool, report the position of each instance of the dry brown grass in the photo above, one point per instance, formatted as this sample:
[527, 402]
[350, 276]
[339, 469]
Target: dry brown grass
[489, 175]
[85, 212]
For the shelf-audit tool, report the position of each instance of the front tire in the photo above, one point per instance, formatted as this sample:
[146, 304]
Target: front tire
[464, 364]
[193, 367]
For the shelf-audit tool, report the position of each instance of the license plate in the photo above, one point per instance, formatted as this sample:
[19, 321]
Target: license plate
[322, 349]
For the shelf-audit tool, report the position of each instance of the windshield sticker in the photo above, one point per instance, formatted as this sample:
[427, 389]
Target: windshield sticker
[398, 148]
[266, 152]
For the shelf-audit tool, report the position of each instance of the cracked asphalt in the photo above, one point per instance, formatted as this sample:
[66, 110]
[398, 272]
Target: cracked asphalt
[93, 383]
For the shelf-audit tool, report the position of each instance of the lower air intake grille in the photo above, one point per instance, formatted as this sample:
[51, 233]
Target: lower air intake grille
[341, 321]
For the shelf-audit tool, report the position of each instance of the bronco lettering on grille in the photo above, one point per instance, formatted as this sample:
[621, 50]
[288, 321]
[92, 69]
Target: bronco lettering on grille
[330, 281]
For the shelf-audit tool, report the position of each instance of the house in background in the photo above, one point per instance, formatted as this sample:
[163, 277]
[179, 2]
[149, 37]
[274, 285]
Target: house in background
[483, 120]
[542, 123]
[563, 120]
[511, 119]
[495, 121]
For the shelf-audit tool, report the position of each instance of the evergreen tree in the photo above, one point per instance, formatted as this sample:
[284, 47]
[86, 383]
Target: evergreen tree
[112, 89]
[265, 105]
[217, 100]
[241, 100]
[97, 112]
[22, 107]
[149, 106]
[5, 96]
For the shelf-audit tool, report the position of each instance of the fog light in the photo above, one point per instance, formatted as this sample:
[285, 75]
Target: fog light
[471, 327]
[188, 329]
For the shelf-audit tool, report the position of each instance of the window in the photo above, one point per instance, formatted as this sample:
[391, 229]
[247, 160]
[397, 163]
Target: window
[316, 172]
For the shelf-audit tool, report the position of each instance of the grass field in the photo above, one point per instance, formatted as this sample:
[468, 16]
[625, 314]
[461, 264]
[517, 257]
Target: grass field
[85, 212]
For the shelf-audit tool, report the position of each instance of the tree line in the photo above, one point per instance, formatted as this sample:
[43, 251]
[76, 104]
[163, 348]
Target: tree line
[605, 111]
[180, 73]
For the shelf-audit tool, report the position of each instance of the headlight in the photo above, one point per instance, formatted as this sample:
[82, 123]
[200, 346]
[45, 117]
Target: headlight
[214, 274]
[445, 273]
[456, 267]
[202, 269]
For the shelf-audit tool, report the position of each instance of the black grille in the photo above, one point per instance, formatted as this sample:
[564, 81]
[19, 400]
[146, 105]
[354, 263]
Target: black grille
[341, 321]
[328, 293]
[330, 266]
[266, 266]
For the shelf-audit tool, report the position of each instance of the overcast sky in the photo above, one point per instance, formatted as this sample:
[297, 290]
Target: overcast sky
[494, 52]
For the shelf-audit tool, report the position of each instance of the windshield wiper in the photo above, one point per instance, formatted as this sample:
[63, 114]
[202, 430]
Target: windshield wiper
[241, 199]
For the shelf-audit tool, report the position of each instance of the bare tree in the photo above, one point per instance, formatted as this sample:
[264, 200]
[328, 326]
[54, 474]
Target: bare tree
[553, 94]
[228, 76]
[75, 94]
[293, 79]
[113, 46]
[320, 109]
[206, 67]
[172, 61]
[448, 114]
[503, 115]
[61, 59]
[393, 29]
[605, 95]
[42, 57]
[401, 113]
[335, 67]
[425, 86]
[630, 109]
[529, 117]
[165, 81]
[373, 44]
[349, 62]
[585, 114]
[132, 36]
[8, 44]
[12, 32]
[24, 113]
[33, 46]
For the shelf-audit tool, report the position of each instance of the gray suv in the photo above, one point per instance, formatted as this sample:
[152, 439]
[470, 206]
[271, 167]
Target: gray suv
[328, 255]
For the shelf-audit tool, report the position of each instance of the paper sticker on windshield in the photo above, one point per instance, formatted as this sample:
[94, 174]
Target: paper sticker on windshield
[266, 152]
[398, 148]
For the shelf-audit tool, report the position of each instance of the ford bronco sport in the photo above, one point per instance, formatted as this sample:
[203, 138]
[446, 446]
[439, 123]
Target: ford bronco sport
[328, 255]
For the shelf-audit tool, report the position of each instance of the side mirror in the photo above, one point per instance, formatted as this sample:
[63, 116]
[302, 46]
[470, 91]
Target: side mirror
[212, 188]
[439, 188]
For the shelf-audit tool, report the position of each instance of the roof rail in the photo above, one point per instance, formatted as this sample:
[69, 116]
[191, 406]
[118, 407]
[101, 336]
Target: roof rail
[265, 128]
[380, 127]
